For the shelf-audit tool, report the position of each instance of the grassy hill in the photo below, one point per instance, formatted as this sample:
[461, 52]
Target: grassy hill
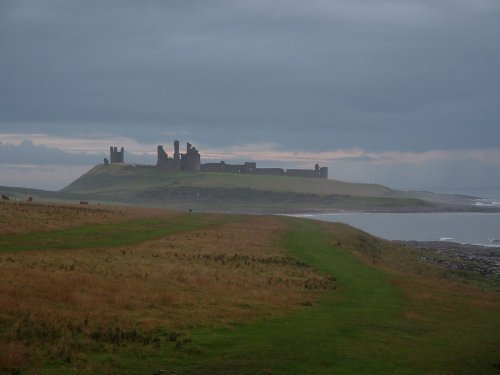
[119, 177]
[115, 290]
[233, 192]
[243, 193]
[246, 193]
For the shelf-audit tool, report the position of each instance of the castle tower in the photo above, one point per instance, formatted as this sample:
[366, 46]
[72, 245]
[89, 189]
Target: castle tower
[176, 150]
[116, 156]
[190, 161]
[177, 156]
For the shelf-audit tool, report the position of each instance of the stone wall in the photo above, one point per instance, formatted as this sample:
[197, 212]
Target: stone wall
[317, 172]
[270, 171]
[251, 168]
[302, 173]
[164, 162]
[248, 167]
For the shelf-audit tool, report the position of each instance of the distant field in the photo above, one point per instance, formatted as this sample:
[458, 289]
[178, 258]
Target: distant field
[132, 291]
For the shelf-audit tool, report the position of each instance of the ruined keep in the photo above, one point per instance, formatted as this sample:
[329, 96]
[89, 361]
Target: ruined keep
[189, 161]
[116, 156]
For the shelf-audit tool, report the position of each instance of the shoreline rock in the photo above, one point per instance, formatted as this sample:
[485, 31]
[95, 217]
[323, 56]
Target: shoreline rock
[480, 259]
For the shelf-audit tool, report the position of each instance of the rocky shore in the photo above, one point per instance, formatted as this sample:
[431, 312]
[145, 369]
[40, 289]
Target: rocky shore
[475, 258]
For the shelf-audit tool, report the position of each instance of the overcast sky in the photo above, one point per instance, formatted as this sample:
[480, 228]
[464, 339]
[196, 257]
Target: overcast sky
[400, 92]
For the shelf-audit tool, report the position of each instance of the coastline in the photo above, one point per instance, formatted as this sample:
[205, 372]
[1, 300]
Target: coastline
[402, 210]
[468, 257]
[251, 201]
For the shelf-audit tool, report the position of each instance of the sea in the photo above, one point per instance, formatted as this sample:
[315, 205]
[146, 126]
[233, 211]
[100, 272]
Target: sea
[466, 228]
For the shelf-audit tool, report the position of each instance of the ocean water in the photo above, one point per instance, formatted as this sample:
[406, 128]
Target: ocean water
[490, 197]
[467, 228]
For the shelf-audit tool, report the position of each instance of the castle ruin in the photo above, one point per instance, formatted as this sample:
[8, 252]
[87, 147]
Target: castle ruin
[116, 156]
[191, 161]
[251, 168]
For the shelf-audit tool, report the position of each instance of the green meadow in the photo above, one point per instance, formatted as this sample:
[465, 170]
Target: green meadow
[377, 317]
[108, 235]
[357, 328]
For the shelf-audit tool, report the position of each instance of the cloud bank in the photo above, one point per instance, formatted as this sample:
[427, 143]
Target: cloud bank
[382, 82]
[473, 168]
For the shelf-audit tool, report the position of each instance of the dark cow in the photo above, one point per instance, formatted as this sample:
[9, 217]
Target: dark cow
[30, 199]
[5, 198]
[84, 202]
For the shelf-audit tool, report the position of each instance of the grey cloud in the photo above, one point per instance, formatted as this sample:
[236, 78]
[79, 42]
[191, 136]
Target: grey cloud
[27, 153]
[364, 158]
[408, 75]
[436, 175]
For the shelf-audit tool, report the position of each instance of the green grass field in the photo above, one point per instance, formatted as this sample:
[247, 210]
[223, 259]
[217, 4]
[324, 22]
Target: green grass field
[379, 319]
[358, 328]
[108, 235]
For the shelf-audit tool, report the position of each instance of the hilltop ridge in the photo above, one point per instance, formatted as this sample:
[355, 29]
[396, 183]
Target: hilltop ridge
[103, 177]
[219, 191]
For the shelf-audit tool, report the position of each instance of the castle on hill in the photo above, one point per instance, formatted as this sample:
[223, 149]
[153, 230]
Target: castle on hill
[191, 161]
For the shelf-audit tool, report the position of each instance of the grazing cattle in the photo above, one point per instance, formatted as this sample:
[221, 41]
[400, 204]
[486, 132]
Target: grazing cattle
[30, 199]
[84, 202]
[5, 198]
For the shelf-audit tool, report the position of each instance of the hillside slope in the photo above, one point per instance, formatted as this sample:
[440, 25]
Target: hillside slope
[246, 193]
[122, 176]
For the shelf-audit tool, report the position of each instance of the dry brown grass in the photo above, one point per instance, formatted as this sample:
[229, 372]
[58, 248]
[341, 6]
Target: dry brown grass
[26, 217]
[435, 291]
[226, 274]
